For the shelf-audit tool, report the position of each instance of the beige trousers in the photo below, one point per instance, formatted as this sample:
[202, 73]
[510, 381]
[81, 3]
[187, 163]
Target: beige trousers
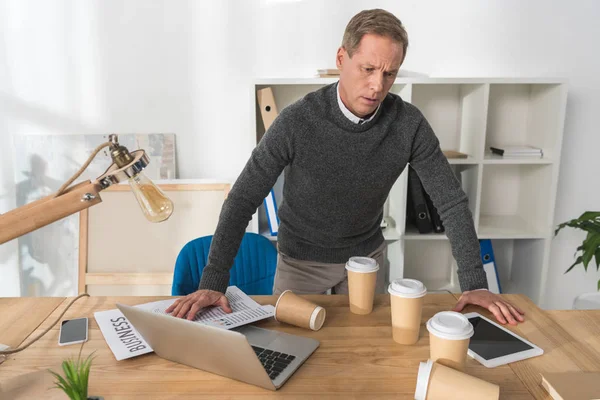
[309, 277]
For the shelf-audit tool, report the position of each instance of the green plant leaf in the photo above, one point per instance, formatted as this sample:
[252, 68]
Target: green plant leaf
[63, 385]
[579, 259]
[85, 373]
[590, 227]
[591, 245]
[599, 285]
[589, 215]
[598, 259]
[572, 223]
[70, 374]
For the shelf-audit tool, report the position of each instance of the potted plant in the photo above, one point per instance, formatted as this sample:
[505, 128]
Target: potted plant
[589, 221]
[75, 381]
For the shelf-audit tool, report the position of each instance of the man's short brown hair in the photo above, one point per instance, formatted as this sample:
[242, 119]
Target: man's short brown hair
[376, 21]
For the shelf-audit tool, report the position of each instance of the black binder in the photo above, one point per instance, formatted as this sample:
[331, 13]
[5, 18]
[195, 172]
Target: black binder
[436, 221]
[416, 209]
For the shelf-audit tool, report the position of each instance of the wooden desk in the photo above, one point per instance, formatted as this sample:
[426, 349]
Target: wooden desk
[19, 317]
[357, 357]
[583, 326]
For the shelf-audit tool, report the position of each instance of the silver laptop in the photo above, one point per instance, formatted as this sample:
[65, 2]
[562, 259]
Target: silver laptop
[249, 354]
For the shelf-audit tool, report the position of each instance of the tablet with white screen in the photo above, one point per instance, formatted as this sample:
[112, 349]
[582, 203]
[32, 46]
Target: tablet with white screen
[492, 345]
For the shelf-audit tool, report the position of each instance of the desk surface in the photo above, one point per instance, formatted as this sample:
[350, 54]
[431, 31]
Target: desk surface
[357, 357]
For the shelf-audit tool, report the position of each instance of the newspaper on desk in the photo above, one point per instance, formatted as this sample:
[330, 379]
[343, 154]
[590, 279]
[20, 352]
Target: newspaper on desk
[126, 342]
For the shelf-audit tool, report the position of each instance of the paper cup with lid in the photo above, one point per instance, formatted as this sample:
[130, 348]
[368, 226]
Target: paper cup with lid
[406, 298]
[449, 335]
[362, 278]
[438, 382]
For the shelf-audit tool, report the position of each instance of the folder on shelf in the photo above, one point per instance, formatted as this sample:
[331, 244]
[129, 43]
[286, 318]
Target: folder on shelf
[417, 211]
[436, 221]
[268, 112]
[271, 211]
[268, 108]
[489, 266]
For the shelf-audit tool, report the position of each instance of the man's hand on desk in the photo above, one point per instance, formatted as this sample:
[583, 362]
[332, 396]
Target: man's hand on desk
[502, 309]
[188, 306]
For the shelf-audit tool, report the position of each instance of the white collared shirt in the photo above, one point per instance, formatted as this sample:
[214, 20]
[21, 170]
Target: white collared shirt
[348, 113]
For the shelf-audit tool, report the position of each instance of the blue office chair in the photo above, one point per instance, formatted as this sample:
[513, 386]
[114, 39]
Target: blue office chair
[253, 268]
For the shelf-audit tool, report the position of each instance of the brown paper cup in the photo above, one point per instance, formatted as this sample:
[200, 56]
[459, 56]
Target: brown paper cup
[295, 310]
[362, 279]
[361, 289]
[451, 353]
[438, 382]
[406, 298]
[406, 319]
[449, 336]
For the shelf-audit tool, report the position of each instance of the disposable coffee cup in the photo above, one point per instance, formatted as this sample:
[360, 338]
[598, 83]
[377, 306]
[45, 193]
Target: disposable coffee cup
[362, 278]
[438, 382]
[406, 298]
[449, 335]
[295, 310]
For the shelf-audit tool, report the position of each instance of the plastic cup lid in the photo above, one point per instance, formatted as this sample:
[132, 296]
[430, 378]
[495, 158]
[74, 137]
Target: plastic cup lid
[423, 379]
[362, 264]
[410, 288]
[450, 325]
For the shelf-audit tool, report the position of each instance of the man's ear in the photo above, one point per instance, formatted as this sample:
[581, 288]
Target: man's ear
[339, 58]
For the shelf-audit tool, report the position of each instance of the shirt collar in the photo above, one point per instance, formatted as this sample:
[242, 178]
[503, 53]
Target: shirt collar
[348, 113]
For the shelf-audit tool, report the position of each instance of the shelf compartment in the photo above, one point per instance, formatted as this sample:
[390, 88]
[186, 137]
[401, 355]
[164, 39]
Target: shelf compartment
[456, 112]
[432, 263]
[514, 201]
[526, 114]
[519, 264]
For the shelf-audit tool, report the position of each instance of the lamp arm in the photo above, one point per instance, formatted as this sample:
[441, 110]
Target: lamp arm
[49, 209]
[69, 200]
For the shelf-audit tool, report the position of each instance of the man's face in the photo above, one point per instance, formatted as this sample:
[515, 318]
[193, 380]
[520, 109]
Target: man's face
[366, 78]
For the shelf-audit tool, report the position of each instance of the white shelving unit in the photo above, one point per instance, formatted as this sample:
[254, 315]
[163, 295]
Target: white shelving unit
[512, 199]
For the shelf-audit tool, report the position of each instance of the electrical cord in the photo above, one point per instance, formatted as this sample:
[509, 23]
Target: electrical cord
[23, 347]
[83, 167]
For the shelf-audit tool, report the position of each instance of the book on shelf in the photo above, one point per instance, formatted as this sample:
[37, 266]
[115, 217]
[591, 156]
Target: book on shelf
[454, 154]
[572, 385]
[328, 73]
[517, 151]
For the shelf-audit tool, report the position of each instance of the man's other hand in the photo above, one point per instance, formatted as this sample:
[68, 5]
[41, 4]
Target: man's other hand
[502, 309]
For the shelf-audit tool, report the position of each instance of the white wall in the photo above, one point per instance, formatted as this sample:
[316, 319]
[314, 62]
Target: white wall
[186, 67]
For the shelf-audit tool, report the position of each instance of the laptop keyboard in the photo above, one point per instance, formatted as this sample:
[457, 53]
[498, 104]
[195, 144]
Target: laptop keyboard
[274, 362]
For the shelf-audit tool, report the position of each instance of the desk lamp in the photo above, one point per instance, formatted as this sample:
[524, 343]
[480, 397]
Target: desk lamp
[71, 199]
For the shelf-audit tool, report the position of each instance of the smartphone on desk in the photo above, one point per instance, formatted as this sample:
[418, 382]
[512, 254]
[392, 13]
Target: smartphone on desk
[73, 331]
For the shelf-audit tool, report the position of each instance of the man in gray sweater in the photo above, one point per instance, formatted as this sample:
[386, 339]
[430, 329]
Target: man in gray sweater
[342, 148]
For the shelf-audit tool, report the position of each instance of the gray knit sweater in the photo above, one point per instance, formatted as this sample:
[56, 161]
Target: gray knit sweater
[338, 175]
